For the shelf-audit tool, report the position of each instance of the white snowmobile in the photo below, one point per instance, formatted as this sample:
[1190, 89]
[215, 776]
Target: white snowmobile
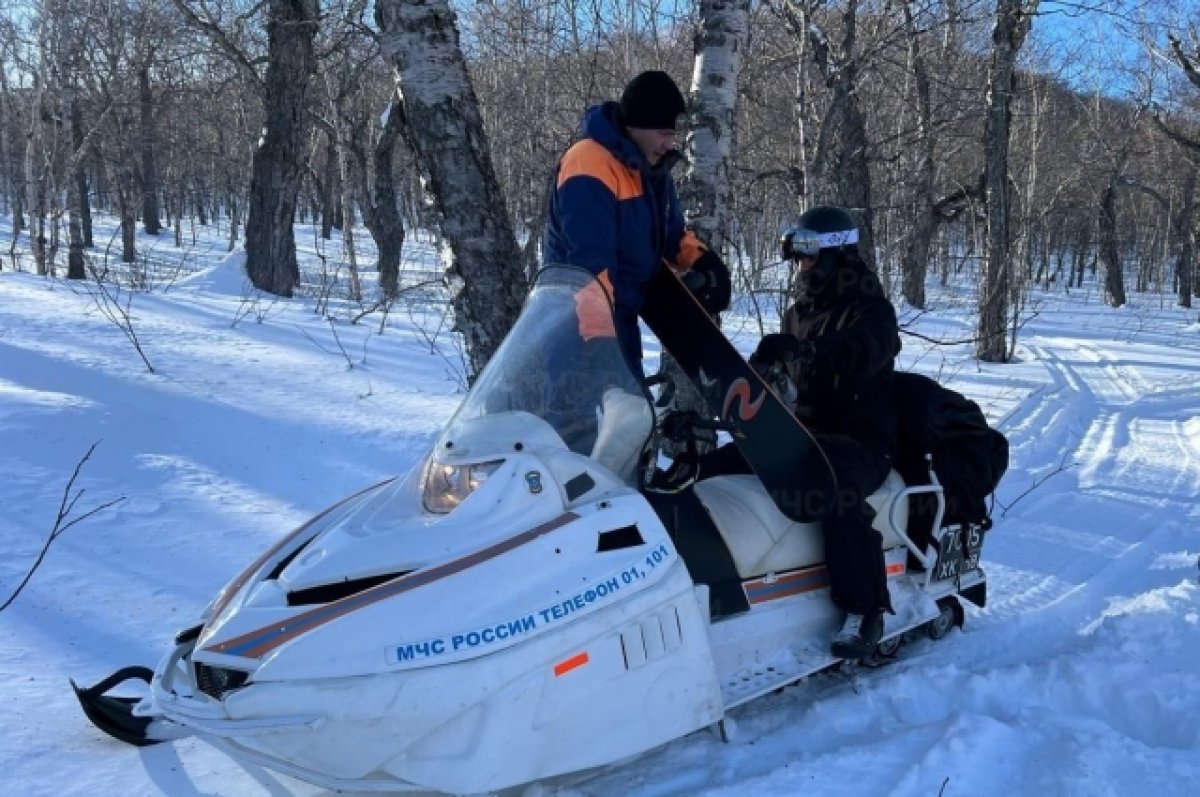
[514, 608]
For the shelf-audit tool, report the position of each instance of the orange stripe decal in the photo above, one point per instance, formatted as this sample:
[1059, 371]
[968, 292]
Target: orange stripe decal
[564, 667]
[785, 585]
[895, 570]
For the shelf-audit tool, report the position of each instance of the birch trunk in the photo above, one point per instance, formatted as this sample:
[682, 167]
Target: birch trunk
[1013, 19]
[704, 190]
[445, 130]
[724, 26]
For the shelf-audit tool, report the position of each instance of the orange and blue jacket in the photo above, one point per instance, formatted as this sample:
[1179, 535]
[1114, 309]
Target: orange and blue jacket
[617, 217]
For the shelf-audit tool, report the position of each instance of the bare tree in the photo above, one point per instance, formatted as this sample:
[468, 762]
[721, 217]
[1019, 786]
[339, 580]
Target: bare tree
[1012, 22]
[278, 168]
[11, 175]
[923, 218]
[1185, 232]
[445, 130]
[380, 212]
[839, 172]
[148, 124]
[37, 160]
[1187, 224]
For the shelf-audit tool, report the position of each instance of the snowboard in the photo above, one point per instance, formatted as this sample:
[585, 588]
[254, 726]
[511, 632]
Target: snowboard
[781, 451]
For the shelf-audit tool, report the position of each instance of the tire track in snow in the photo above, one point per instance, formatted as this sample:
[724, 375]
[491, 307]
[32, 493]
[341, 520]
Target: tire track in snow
[1037, 675]
[1049, 550]
[1042, 429]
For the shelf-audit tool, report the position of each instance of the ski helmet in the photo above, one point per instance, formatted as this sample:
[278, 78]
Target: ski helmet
[824, 232]
[822, 227]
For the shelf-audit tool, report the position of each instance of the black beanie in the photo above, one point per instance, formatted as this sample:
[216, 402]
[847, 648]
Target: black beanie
[652, 101]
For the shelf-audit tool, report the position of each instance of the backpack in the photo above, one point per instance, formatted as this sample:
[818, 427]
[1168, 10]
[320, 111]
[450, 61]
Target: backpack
[968, 456]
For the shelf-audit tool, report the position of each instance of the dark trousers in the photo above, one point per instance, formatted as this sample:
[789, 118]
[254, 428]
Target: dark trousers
[853, 550]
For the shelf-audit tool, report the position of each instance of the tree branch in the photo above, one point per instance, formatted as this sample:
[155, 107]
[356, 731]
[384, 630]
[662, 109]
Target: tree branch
[65, 507]
[1186, 62]
[1175, 135]
[213, 31]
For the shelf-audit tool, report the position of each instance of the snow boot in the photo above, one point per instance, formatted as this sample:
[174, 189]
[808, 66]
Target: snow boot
[859, 636]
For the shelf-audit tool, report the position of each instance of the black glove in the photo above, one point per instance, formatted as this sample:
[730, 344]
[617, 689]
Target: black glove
[677, 424]
[680, 426]
[784, 349]
[708, 279]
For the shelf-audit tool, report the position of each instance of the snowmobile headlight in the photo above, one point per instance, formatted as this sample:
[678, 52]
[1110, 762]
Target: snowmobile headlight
[447, 486]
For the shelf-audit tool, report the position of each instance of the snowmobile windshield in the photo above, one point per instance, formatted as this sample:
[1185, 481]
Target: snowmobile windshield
[558, 380]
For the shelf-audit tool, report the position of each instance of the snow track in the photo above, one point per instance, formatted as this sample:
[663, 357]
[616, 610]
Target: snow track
[1078, 677]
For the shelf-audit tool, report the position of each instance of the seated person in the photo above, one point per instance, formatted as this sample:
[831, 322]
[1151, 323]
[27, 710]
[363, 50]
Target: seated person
[836, 357]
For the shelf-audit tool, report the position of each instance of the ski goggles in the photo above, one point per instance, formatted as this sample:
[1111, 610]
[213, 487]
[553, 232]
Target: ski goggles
[800, 242]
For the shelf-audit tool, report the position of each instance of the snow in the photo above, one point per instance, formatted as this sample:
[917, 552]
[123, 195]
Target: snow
[1077, 679]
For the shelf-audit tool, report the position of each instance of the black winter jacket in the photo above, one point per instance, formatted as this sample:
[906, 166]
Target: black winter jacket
[848, 387]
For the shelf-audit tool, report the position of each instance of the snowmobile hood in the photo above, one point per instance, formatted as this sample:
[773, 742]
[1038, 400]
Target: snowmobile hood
[542, 566]
[499, 523]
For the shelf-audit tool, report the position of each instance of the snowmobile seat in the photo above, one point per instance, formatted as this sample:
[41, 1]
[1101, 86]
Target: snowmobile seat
[763, 540]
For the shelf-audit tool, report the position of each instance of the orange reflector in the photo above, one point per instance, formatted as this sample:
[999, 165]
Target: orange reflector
[893, 570]
[564, 667]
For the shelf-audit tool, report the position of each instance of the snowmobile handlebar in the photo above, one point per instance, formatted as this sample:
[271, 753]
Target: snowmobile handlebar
[688, 426]
[714, 424]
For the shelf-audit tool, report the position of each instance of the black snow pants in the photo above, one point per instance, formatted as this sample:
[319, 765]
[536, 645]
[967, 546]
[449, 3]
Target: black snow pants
[853, 550]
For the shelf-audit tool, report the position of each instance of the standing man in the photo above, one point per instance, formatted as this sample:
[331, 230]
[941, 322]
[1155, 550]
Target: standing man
[614, 210]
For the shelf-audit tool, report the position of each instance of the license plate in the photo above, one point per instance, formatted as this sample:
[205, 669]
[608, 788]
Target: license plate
[958, 551]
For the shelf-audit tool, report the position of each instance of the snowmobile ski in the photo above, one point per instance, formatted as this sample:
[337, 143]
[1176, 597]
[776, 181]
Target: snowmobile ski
[114, 715]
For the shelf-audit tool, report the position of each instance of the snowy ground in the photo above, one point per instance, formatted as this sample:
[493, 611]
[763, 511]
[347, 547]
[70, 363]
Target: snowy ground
[1078, 679]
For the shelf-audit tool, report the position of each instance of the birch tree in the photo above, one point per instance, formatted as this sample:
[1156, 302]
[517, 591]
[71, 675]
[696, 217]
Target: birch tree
[445, 131]
[704, 191]
[1012, 23]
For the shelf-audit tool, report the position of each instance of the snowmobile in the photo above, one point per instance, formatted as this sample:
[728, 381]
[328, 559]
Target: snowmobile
[517, 607]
